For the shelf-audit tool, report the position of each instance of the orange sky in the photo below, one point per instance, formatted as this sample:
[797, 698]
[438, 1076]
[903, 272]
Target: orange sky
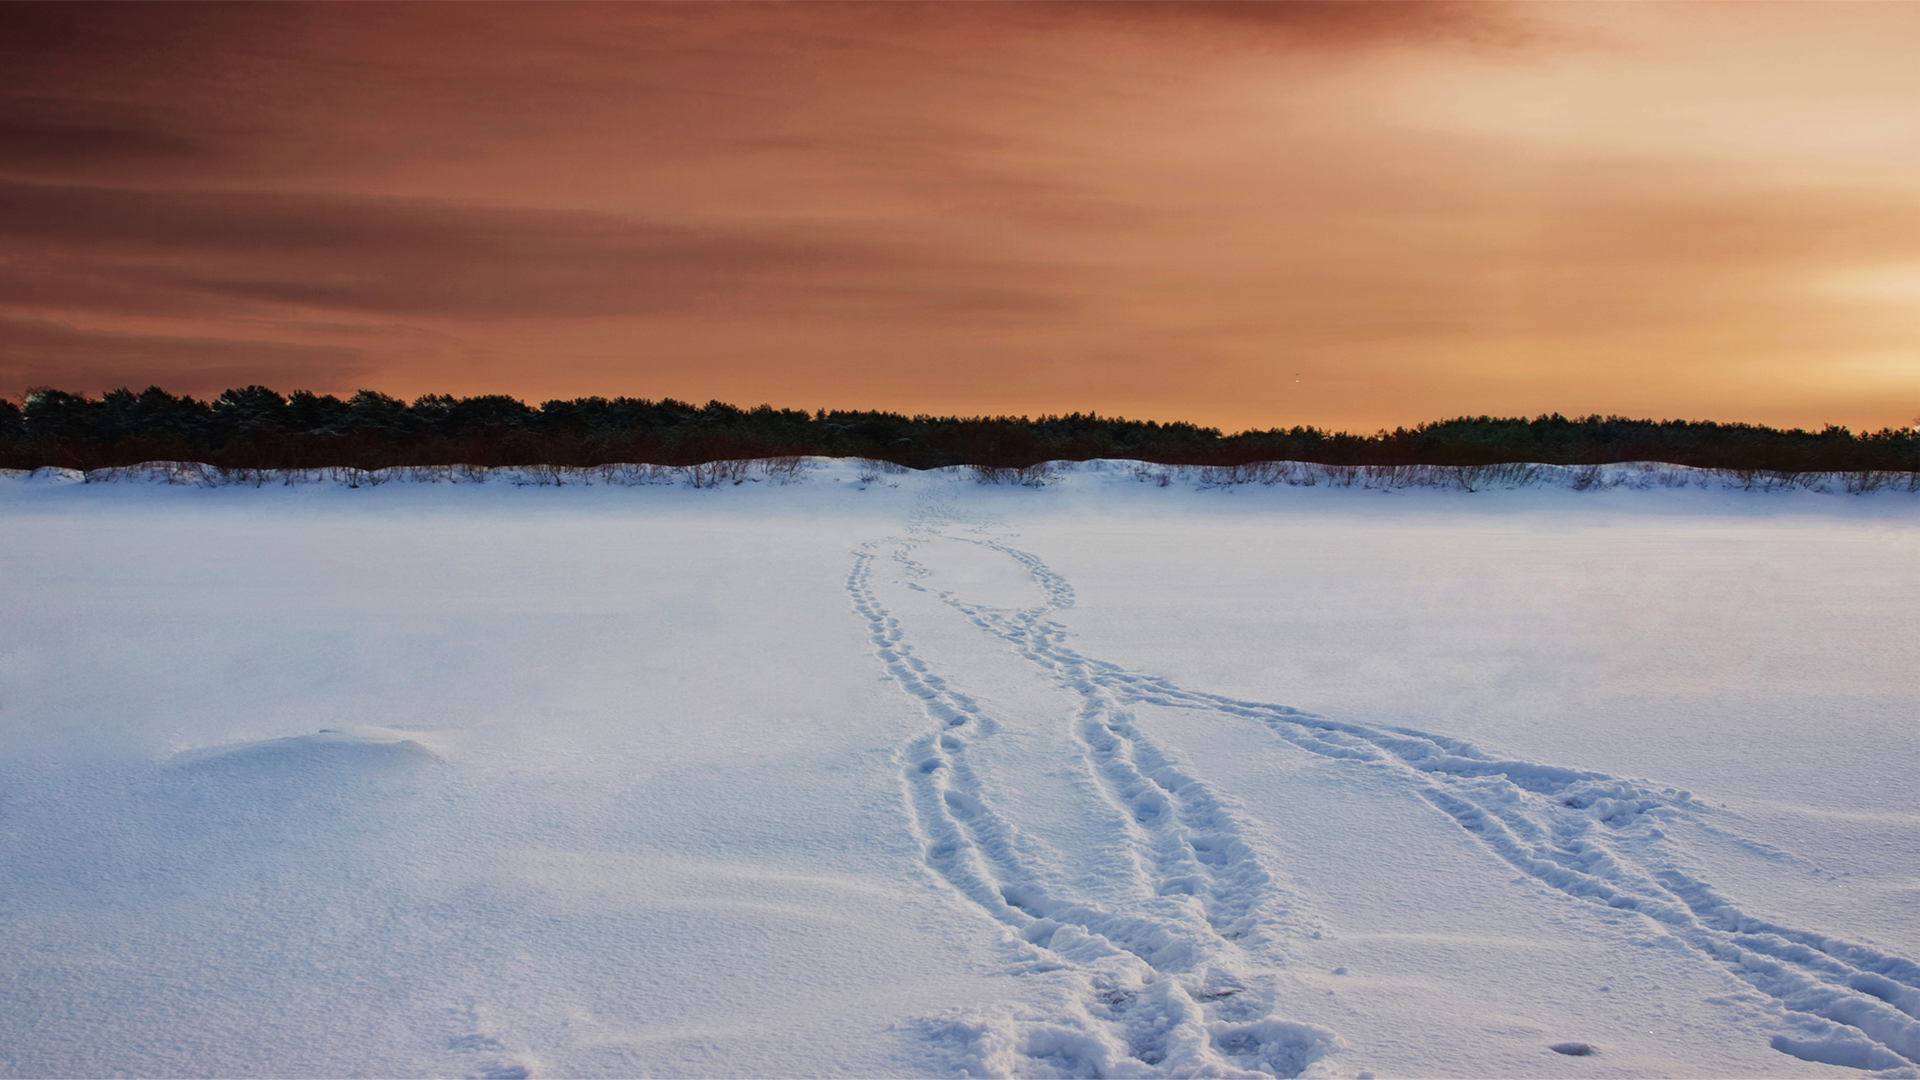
[1351, 215]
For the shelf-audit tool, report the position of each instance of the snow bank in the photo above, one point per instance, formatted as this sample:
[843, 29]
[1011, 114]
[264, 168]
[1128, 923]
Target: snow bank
[1637, 475]
[824, 768]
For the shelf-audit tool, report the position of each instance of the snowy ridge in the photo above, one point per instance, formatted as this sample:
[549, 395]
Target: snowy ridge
[1632, 475]
[1182, 981]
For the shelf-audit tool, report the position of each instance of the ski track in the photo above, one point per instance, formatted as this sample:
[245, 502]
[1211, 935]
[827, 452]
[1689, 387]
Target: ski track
[1178, 982]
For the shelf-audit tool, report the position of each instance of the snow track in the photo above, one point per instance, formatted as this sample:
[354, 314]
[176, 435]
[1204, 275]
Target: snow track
[1167, 983]
[1177, 971]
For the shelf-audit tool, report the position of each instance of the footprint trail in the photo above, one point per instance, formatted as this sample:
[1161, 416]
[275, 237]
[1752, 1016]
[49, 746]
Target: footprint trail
[1184, 974]
[1176, 980]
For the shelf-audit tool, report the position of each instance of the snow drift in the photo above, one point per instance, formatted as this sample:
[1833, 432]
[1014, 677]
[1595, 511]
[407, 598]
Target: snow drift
[839, 770]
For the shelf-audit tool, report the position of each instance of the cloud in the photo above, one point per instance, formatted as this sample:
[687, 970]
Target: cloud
[426, 258]
[42, 135]
[1337, 24]
[1042, 206]
[35, 353]
[87, 82]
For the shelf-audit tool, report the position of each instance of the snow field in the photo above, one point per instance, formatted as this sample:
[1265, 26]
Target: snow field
[899, 774]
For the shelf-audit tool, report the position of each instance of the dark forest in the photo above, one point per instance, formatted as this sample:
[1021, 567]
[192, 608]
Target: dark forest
[257, 428]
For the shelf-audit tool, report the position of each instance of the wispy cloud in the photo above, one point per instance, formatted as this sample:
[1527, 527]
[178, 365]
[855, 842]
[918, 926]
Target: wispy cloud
[46, 354]
[387, 256]
[1240, 213]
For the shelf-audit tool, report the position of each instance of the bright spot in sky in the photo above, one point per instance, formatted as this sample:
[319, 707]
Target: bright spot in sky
[1892, 369]
[1896, 284]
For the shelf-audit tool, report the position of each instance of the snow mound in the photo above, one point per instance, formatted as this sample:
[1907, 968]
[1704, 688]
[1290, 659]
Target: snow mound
[328, 753]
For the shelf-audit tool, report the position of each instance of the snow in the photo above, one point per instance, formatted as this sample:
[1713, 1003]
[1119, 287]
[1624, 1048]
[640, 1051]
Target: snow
[881, 773]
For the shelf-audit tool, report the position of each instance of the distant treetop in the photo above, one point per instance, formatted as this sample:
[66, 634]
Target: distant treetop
[256, 427]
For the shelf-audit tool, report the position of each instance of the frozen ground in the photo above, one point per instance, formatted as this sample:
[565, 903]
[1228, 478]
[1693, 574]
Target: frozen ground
[909, 775]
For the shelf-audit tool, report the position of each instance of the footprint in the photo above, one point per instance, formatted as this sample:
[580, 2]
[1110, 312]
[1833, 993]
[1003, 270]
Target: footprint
[1168, 1012]
[1597, 838]
[484, 1052]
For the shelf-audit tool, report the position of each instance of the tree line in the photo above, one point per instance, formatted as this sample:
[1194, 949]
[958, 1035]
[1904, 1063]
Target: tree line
[256, 428]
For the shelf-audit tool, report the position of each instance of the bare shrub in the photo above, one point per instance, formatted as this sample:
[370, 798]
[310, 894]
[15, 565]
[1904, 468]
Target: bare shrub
[1219, 476]
[711, 474]
[1397, 476]
[547, 475]
[1868, 480]
[1267, 473]
[1860, 483]
[1386, 477]
[241, 474]
[1510, 473]
[1750, 479]
[1157, 475]
[1035, 475]
[784, 469]
[1341, 475]
[424, 474]
[192, 473]
[631, 474]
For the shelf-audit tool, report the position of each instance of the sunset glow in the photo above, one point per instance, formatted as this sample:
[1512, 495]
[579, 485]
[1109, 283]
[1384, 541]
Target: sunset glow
[1347, 215]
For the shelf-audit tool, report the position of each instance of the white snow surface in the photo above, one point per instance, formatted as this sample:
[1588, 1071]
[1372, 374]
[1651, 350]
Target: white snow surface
[876, 773]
